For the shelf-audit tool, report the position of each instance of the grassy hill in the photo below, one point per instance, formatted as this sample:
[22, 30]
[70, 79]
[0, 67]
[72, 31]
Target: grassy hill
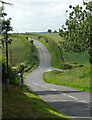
[23, 104]
[22, 52]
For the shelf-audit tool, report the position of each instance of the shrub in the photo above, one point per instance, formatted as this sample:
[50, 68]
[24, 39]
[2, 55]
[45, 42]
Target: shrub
[26, 37]
[46, 40]
[39, 37]
[31, 41]
[66, 66]
[28, 69]
[12, 76]
[20, 66]
[80, 65]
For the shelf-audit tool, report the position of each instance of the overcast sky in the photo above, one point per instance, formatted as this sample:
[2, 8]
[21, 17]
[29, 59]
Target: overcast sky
[38, 15]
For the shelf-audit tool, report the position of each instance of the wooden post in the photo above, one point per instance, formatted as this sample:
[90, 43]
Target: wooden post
[21, 81]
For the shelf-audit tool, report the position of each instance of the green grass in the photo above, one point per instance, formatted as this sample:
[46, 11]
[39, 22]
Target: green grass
[82, 58]
[78, 78]
[23, 52]
[53, 36]
[21, 104]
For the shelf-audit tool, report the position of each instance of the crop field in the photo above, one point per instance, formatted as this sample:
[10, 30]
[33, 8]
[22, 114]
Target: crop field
[53, 36]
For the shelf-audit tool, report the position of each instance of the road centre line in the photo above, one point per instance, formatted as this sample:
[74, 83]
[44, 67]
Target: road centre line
[68, 96]
[64, 94]
[80, 117]
[57, 100]
[54, 89]
[72, 97]
[84, 101]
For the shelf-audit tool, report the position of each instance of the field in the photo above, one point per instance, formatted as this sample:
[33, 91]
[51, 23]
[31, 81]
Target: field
[53, 36]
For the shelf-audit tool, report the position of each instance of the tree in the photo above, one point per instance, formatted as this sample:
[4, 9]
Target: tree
[77, 31]
[49, 31]
[55, 31]
[6, 27]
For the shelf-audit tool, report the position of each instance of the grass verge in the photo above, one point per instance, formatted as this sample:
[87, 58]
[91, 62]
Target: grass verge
[78, 78]
[23, 103]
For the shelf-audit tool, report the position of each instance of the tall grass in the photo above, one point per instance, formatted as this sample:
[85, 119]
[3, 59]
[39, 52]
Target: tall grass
[76, 78]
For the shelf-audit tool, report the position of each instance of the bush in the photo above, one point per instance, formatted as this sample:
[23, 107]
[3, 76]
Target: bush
[31, 41]
[26, 37]
[80, 65]
[66, 66]
[39, 37]
[46, 40]
[28, 69]
[12, 76]
[20, 66]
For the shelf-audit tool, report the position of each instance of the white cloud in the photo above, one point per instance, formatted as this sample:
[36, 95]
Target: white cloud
[38, 15]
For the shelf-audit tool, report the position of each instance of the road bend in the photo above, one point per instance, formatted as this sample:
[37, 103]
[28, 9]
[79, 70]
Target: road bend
[73, 103]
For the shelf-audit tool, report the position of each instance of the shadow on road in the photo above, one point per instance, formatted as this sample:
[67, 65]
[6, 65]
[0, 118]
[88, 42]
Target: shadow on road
[74, 109]
[70, 107]
[54, 92]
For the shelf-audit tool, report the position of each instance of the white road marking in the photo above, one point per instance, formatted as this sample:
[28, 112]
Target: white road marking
[54, 89]
[84, 101]
[72, 97]
[68, 96]
[64, 94]
[76, 99]
[79, 117]
[57, 100]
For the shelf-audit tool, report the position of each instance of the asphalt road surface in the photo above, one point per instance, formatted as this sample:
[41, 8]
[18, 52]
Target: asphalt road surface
[72, 102]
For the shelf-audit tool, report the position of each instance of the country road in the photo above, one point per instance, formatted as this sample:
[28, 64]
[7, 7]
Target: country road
[72, 102]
